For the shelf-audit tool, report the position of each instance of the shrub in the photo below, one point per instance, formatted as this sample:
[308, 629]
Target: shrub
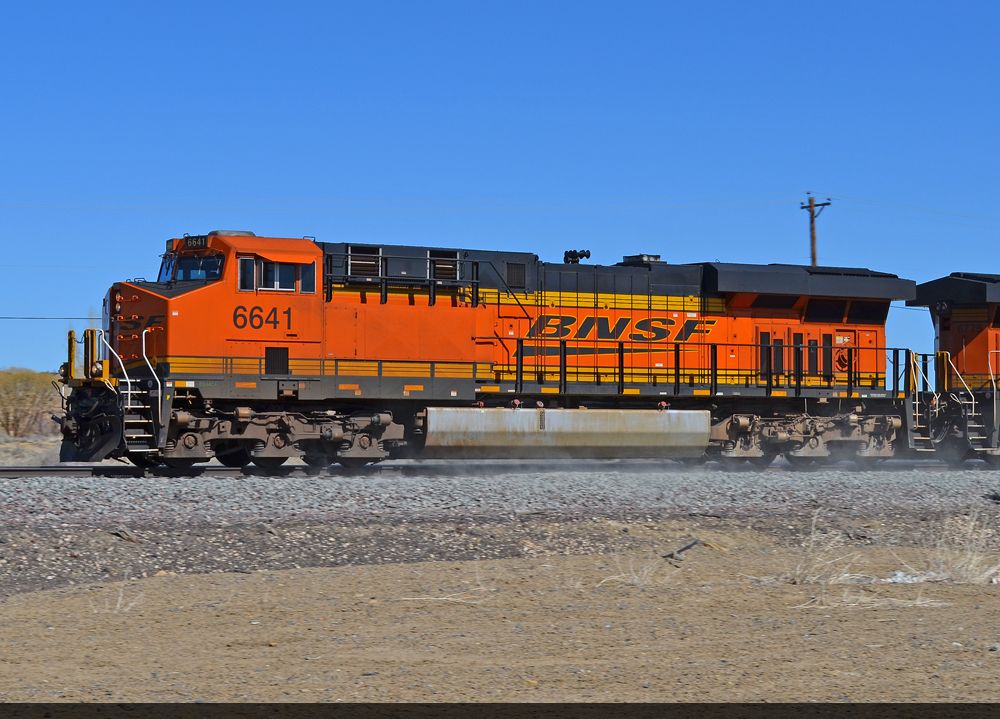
[27, 401]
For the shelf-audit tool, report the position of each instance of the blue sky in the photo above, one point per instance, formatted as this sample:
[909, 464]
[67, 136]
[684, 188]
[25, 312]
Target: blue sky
[688, 129]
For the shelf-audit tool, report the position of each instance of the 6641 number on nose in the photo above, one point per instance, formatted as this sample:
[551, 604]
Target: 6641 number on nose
[255, 317]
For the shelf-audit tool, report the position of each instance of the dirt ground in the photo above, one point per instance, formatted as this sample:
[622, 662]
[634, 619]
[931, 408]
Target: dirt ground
[28, 451]
[743, 617]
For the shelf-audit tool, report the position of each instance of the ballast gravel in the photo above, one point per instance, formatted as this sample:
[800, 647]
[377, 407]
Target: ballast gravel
[56, 531]
[446, 491]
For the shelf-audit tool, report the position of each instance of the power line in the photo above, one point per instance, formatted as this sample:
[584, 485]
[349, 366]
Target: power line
[16, 317]
[984, 219]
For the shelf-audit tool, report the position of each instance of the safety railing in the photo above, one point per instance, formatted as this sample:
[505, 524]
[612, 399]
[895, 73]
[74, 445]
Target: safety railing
[373, 270]
[355, 272]
[128, 382]
[919, 385]
[971, 401]
[159, 385]
[673, 367]
[773, 367]
[995, 400]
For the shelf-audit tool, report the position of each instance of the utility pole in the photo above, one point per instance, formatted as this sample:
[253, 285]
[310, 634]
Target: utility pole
[812, 206]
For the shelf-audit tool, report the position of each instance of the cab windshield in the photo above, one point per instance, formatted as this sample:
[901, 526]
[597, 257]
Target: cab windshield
[190, 267]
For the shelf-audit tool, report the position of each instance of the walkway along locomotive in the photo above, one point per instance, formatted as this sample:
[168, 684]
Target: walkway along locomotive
[253, 349]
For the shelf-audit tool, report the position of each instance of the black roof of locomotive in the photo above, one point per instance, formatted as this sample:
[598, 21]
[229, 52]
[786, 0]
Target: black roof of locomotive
[720, 278]
[966, 288]
[646, 274]
[779, 279]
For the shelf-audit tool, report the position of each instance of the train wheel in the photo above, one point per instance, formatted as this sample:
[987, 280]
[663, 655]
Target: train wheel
[953, 452]
[867, 463]
[316, 463]
[142, 461]
[764, 461]
[182, 465]
[352, 462]
[269, 462]
[799, 462]
[236, 458]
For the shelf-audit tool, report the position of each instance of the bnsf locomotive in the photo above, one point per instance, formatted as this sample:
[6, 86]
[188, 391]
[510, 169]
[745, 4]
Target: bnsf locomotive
[253, 350]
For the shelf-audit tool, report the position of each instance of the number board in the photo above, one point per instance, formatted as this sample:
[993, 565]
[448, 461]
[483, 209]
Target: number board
[198, 242]
[256, 317]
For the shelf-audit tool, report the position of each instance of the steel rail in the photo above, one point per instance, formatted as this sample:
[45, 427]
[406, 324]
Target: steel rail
[441, 467]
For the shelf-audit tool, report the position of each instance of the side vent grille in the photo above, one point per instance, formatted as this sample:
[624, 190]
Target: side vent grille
[363, 261]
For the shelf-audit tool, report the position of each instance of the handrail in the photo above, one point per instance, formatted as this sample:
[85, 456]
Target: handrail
[993, 382]
[916, 364]
[947, 356]
[159, 387]
[509, 290]
[458, 283]
[898, 368]
[700, 342]
[917, 370]
[128, 382]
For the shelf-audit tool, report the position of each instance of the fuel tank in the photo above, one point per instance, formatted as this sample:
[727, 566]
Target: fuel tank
[487, 433]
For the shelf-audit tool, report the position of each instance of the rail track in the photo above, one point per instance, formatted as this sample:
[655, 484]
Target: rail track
[124, 470]
[101, 470]
[456, 467]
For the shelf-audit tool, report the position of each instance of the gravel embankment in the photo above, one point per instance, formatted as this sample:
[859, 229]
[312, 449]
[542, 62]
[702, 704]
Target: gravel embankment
[442, 491]
[56, 531]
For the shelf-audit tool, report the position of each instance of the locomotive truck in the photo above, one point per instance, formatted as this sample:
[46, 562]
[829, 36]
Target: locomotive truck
[254, 350]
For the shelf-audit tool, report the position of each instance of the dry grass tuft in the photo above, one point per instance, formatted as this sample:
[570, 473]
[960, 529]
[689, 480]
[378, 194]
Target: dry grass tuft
[826, 558]
[478, 593]
[116, 602]
[874, 601]
[865, 600]
[959, 552]
[640, 572]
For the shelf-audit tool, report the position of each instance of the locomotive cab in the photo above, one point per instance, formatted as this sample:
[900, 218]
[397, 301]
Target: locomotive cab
[961, 412]
[190, 265]
[219, 301]
[965, 310]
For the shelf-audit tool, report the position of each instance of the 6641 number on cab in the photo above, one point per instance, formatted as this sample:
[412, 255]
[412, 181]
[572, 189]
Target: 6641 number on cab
[256, 317]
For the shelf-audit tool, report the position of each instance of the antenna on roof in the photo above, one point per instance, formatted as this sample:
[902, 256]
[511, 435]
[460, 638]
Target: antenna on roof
[811, 205]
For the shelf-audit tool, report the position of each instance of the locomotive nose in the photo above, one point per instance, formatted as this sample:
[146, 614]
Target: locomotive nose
[134, 313]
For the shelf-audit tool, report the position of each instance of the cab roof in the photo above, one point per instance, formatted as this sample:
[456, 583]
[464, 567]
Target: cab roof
[780, 279]
[967, 288]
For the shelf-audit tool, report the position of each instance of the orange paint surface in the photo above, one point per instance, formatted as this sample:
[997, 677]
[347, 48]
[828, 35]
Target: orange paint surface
[217, 320]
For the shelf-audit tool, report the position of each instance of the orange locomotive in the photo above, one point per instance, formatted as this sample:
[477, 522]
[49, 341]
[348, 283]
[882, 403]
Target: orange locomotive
[960, 418]
[260, 349]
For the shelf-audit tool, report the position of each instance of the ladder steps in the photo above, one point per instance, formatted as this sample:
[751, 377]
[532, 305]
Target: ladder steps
[138, 406]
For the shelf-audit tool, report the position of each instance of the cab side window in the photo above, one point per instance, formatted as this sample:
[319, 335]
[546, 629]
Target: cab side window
[307, 278]
[257, 274]
[247, 279]
[277, 276]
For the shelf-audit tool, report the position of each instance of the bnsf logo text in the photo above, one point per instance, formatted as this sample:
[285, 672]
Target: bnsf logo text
[647, 329]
